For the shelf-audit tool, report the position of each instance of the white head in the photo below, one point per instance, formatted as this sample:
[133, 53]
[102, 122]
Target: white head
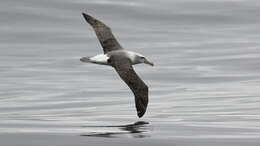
[138, 58]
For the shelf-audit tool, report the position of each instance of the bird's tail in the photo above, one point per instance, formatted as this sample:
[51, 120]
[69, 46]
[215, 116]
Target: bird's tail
[85, 59]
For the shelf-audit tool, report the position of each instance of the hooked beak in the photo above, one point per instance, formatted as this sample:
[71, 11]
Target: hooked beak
[148, 62]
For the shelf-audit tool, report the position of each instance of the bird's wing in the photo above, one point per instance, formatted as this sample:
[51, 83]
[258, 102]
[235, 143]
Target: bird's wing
[104, 34]
[139, 88]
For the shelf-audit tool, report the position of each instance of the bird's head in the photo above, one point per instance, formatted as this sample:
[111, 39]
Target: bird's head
[142, 59]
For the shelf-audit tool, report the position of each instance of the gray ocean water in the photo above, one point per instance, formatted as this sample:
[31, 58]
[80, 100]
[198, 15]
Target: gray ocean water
[205, 83]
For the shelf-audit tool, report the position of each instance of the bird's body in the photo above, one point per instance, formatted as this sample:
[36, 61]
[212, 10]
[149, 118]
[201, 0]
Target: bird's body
[103, 59]
[120, 59]
[98, 59]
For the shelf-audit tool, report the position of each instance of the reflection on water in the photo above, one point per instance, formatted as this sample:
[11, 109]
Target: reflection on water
[206, 81]
[138, 129]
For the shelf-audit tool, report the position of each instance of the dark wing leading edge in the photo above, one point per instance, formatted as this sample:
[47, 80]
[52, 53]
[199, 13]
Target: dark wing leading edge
[104, 34]
[139, 88]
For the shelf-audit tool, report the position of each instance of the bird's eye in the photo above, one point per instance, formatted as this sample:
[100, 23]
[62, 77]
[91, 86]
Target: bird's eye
[142, 57]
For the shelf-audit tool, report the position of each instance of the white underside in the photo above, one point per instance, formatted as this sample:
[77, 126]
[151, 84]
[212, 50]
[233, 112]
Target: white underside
[102, 58]
[99, 59]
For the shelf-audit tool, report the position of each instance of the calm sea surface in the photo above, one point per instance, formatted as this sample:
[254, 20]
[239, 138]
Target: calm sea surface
[205, 83]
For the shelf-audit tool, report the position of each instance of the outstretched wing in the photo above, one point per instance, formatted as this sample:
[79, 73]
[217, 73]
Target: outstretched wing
[139, 88]
[104, 34]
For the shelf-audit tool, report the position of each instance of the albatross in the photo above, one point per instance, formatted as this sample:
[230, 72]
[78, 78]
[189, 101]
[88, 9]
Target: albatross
[121, 60]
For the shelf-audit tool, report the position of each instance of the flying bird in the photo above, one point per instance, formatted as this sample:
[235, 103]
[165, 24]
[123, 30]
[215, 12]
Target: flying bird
[121, 60]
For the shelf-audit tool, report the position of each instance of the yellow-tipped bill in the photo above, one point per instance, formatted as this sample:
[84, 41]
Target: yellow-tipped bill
[148, 62]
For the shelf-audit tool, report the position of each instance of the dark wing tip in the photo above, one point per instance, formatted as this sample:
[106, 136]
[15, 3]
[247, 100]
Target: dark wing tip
[83, 13]
[140, 113]
[86, 16]
[141, 109]
[141, 105]
[89, 18]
